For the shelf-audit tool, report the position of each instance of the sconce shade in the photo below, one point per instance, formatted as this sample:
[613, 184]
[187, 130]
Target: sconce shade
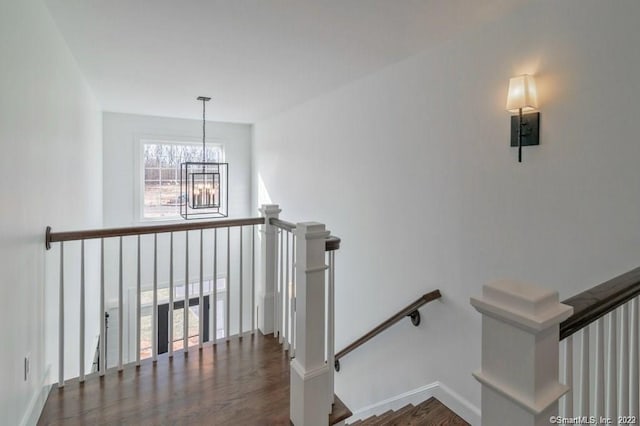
[522, 94]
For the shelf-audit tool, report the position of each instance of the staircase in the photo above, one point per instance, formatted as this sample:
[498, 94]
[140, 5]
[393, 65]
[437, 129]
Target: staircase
[430, 412]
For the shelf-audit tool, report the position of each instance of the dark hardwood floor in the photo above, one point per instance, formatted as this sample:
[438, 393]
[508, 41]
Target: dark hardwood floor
[241, 382]
[429, 413]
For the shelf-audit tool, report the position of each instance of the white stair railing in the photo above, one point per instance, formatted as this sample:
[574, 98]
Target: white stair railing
[597, 367]
[303, 279]
[126, 261]
[181, 266]
[607, 350]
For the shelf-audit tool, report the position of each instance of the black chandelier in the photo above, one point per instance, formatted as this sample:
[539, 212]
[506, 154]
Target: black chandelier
[203, 185]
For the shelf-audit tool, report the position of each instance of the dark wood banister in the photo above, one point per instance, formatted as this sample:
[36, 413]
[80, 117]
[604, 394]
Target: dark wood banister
[332, 243]
[411, 310]
[598, 301]
[52, 237]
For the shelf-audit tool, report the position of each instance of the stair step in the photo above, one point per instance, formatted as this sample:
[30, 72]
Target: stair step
[381, 419]
[340, 411]
[400, 413]
[430, 412]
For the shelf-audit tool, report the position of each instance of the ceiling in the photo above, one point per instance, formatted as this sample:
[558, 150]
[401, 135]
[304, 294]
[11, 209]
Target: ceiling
[255, 58]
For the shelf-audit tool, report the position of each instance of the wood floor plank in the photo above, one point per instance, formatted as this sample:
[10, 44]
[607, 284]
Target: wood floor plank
[240, 382]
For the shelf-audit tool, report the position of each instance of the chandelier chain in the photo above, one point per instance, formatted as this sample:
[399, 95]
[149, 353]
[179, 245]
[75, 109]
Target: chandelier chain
[204, 123]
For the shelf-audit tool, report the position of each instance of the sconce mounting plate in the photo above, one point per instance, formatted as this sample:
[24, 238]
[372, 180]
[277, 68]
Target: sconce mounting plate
[530, 129]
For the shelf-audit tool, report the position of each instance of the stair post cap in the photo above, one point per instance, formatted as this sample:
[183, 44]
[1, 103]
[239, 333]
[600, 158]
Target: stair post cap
[312, 230]
[270, 209]
[527, 306]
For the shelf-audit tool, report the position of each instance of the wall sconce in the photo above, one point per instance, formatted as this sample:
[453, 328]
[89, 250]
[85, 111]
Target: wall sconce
[523, 97]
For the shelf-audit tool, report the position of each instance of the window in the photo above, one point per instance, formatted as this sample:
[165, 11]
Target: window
[160, 196]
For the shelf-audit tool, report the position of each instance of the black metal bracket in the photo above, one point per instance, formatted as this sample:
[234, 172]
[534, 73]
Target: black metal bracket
[47, 238]
[530, 129]
[336, 365]
[415, 317]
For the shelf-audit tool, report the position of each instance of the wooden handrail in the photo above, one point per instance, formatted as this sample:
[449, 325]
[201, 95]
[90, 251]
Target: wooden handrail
[408, 311]
[52, 237]
[282, 224]
[332, 243]
[598, 301]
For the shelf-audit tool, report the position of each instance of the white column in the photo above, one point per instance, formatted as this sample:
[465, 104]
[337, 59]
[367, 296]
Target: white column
[267, 285]
[310, 402]
[520, 353]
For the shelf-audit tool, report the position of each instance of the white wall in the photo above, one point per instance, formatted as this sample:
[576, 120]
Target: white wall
[50, 133]
[121, 142]
[412, 167]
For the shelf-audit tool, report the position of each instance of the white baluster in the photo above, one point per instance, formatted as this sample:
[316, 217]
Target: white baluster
[228, 306]
[286, 294]
[567, 399]
[634, 385]
[612, 372]
[154, 307]
[241, 285]
[292, 352]
[280, 289]
[253, 279]
[623, 389]
[185, 328]
[103, 353]
[215, 285]
[120, 308]
[599, 374]
[584, 373]
[82, 311]
[201, 296]
[331, 323]
[138, 305]
[634, 391]
[61, 320]
[171, 292]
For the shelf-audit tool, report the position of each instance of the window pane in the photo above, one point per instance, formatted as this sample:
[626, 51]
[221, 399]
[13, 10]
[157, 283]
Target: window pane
[178, 327]
[161, 186]
[170, 175]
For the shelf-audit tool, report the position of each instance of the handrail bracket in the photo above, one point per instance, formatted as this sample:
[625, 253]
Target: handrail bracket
[415, 317]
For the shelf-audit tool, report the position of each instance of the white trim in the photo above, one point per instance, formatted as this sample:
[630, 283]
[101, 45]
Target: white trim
[545, 399]
[308, 374]
[36, 404]
[459, 405]
[440, 391]
[138, 170]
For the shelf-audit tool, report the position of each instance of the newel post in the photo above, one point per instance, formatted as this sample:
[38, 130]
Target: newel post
[266, 292]
[310, 402]
[520, 353]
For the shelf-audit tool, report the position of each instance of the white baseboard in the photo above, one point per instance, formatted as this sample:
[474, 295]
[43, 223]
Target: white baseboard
[36, 404]
[440, 391]
[459, 405]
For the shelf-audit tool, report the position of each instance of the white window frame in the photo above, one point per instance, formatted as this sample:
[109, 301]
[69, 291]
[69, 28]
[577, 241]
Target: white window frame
[138, 193]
